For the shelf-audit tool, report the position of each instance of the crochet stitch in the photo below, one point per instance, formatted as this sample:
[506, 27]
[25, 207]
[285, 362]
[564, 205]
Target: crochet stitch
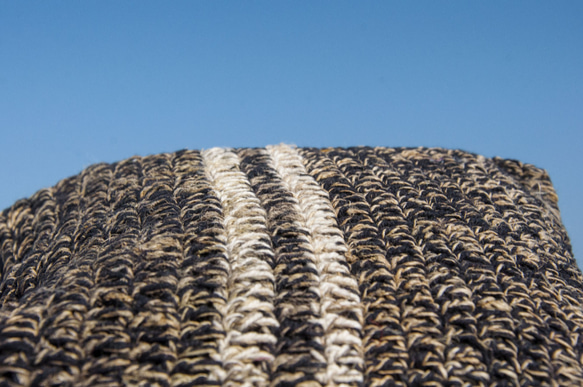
[286, 266]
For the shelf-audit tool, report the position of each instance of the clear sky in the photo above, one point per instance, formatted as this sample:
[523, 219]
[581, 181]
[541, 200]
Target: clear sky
[89, 81]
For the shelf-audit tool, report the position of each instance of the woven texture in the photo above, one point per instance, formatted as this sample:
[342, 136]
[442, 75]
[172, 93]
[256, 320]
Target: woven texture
[285, 266]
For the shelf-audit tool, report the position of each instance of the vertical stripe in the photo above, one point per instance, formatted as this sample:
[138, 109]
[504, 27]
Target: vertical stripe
[155, 325]
[19, 230]
[18, 330]
[203, 275]
[249, 322]
[299, 350]
[340, 308]
[74, 279]
[104, 333]
[35, 359]
[20, 270]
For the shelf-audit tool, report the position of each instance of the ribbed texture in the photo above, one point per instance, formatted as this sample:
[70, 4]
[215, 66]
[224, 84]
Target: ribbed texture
[285, 266]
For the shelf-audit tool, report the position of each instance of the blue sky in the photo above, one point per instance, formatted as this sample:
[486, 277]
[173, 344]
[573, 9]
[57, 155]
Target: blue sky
[89, 81]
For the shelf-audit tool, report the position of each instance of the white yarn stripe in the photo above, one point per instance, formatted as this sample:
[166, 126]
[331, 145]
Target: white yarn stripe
[248, 318]
[338, 289]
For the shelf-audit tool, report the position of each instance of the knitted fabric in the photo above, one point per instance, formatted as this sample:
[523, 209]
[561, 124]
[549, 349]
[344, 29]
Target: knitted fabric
[285, 266]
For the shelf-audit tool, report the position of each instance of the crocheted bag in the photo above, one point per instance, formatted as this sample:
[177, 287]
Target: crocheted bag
[285, 266]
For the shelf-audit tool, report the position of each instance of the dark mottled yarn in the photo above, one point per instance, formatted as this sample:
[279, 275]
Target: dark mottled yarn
[285, 266]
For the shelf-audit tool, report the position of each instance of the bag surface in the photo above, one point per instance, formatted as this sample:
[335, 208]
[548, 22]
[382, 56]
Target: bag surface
[285, 266]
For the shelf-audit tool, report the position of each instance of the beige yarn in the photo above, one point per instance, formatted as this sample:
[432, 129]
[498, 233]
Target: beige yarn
[286, 266]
